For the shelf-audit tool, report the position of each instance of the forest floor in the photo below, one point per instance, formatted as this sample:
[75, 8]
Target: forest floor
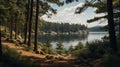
[67, 61]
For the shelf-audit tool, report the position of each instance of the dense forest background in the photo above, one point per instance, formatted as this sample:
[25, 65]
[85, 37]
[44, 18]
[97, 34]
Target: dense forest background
[61, 27]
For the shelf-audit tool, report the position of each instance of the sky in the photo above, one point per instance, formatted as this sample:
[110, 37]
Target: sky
[65, 14]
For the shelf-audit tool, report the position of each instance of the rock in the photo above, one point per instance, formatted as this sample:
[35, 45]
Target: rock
[60, 58]
[42, 53]
[49, 57]
[56, 57]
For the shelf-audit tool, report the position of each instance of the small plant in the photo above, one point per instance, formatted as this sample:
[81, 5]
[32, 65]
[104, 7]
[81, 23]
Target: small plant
[48, 50]
[60, 48]
[28, 48]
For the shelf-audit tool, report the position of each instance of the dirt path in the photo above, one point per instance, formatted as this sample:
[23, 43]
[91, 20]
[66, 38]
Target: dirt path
[22, 51]
[37, 58]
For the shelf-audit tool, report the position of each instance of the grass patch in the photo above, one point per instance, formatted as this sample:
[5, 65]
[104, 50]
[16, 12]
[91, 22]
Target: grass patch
[11, 58]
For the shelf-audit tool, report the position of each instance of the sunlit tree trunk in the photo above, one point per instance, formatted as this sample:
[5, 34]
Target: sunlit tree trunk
[30, 24]
[11, 27]
[36, 26]
[5, 27]
[111, 24]
[15, 30]
[27, 21]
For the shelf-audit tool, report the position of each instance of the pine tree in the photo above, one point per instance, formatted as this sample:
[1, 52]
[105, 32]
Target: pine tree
[48, 45]
[111, 26]
[60, 47]
[27, 21]
[36, 26]
[30, 24]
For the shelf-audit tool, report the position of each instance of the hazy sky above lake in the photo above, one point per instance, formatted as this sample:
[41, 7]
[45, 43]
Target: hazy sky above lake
[66, 14]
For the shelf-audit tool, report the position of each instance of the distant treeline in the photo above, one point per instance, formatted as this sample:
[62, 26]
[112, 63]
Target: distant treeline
[97, 29]
[61, 27]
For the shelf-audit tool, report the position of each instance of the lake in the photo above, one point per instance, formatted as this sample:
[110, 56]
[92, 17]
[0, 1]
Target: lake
[68, 40]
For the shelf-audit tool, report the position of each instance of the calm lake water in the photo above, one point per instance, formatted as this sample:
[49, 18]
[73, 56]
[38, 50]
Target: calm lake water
[68, 40]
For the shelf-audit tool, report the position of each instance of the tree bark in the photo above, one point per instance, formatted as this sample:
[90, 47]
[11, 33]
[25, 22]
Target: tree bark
[11, 25]
[15, 30]
[27, 21]
[30, 24]
[36, 26]
[119, 27]
[5, 27]
[111, 24]
[119, 20]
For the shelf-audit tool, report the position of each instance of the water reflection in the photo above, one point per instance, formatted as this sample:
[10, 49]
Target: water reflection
[63, 38]
[73, 40]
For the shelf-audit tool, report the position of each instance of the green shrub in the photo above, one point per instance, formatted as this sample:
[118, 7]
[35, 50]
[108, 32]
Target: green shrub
[3, 32]
[11, 58]
[52, 51]
[91, 51]
[111, 60]
[79, 49]
[97, 48]
[10, 53]
[49, 50]
[28, 48]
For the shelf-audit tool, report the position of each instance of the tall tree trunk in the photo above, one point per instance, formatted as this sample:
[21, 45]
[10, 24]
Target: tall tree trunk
[5, 27]
[15, 30]
[119, 26]
[30, 24]
[36, 26]
[111, 24]
[11, 25]
[0, 43]
[27, 21]
[119, 20]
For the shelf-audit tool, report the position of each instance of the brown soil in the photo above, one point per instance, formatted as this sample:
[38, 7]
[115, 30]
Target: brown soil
[40, 59]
